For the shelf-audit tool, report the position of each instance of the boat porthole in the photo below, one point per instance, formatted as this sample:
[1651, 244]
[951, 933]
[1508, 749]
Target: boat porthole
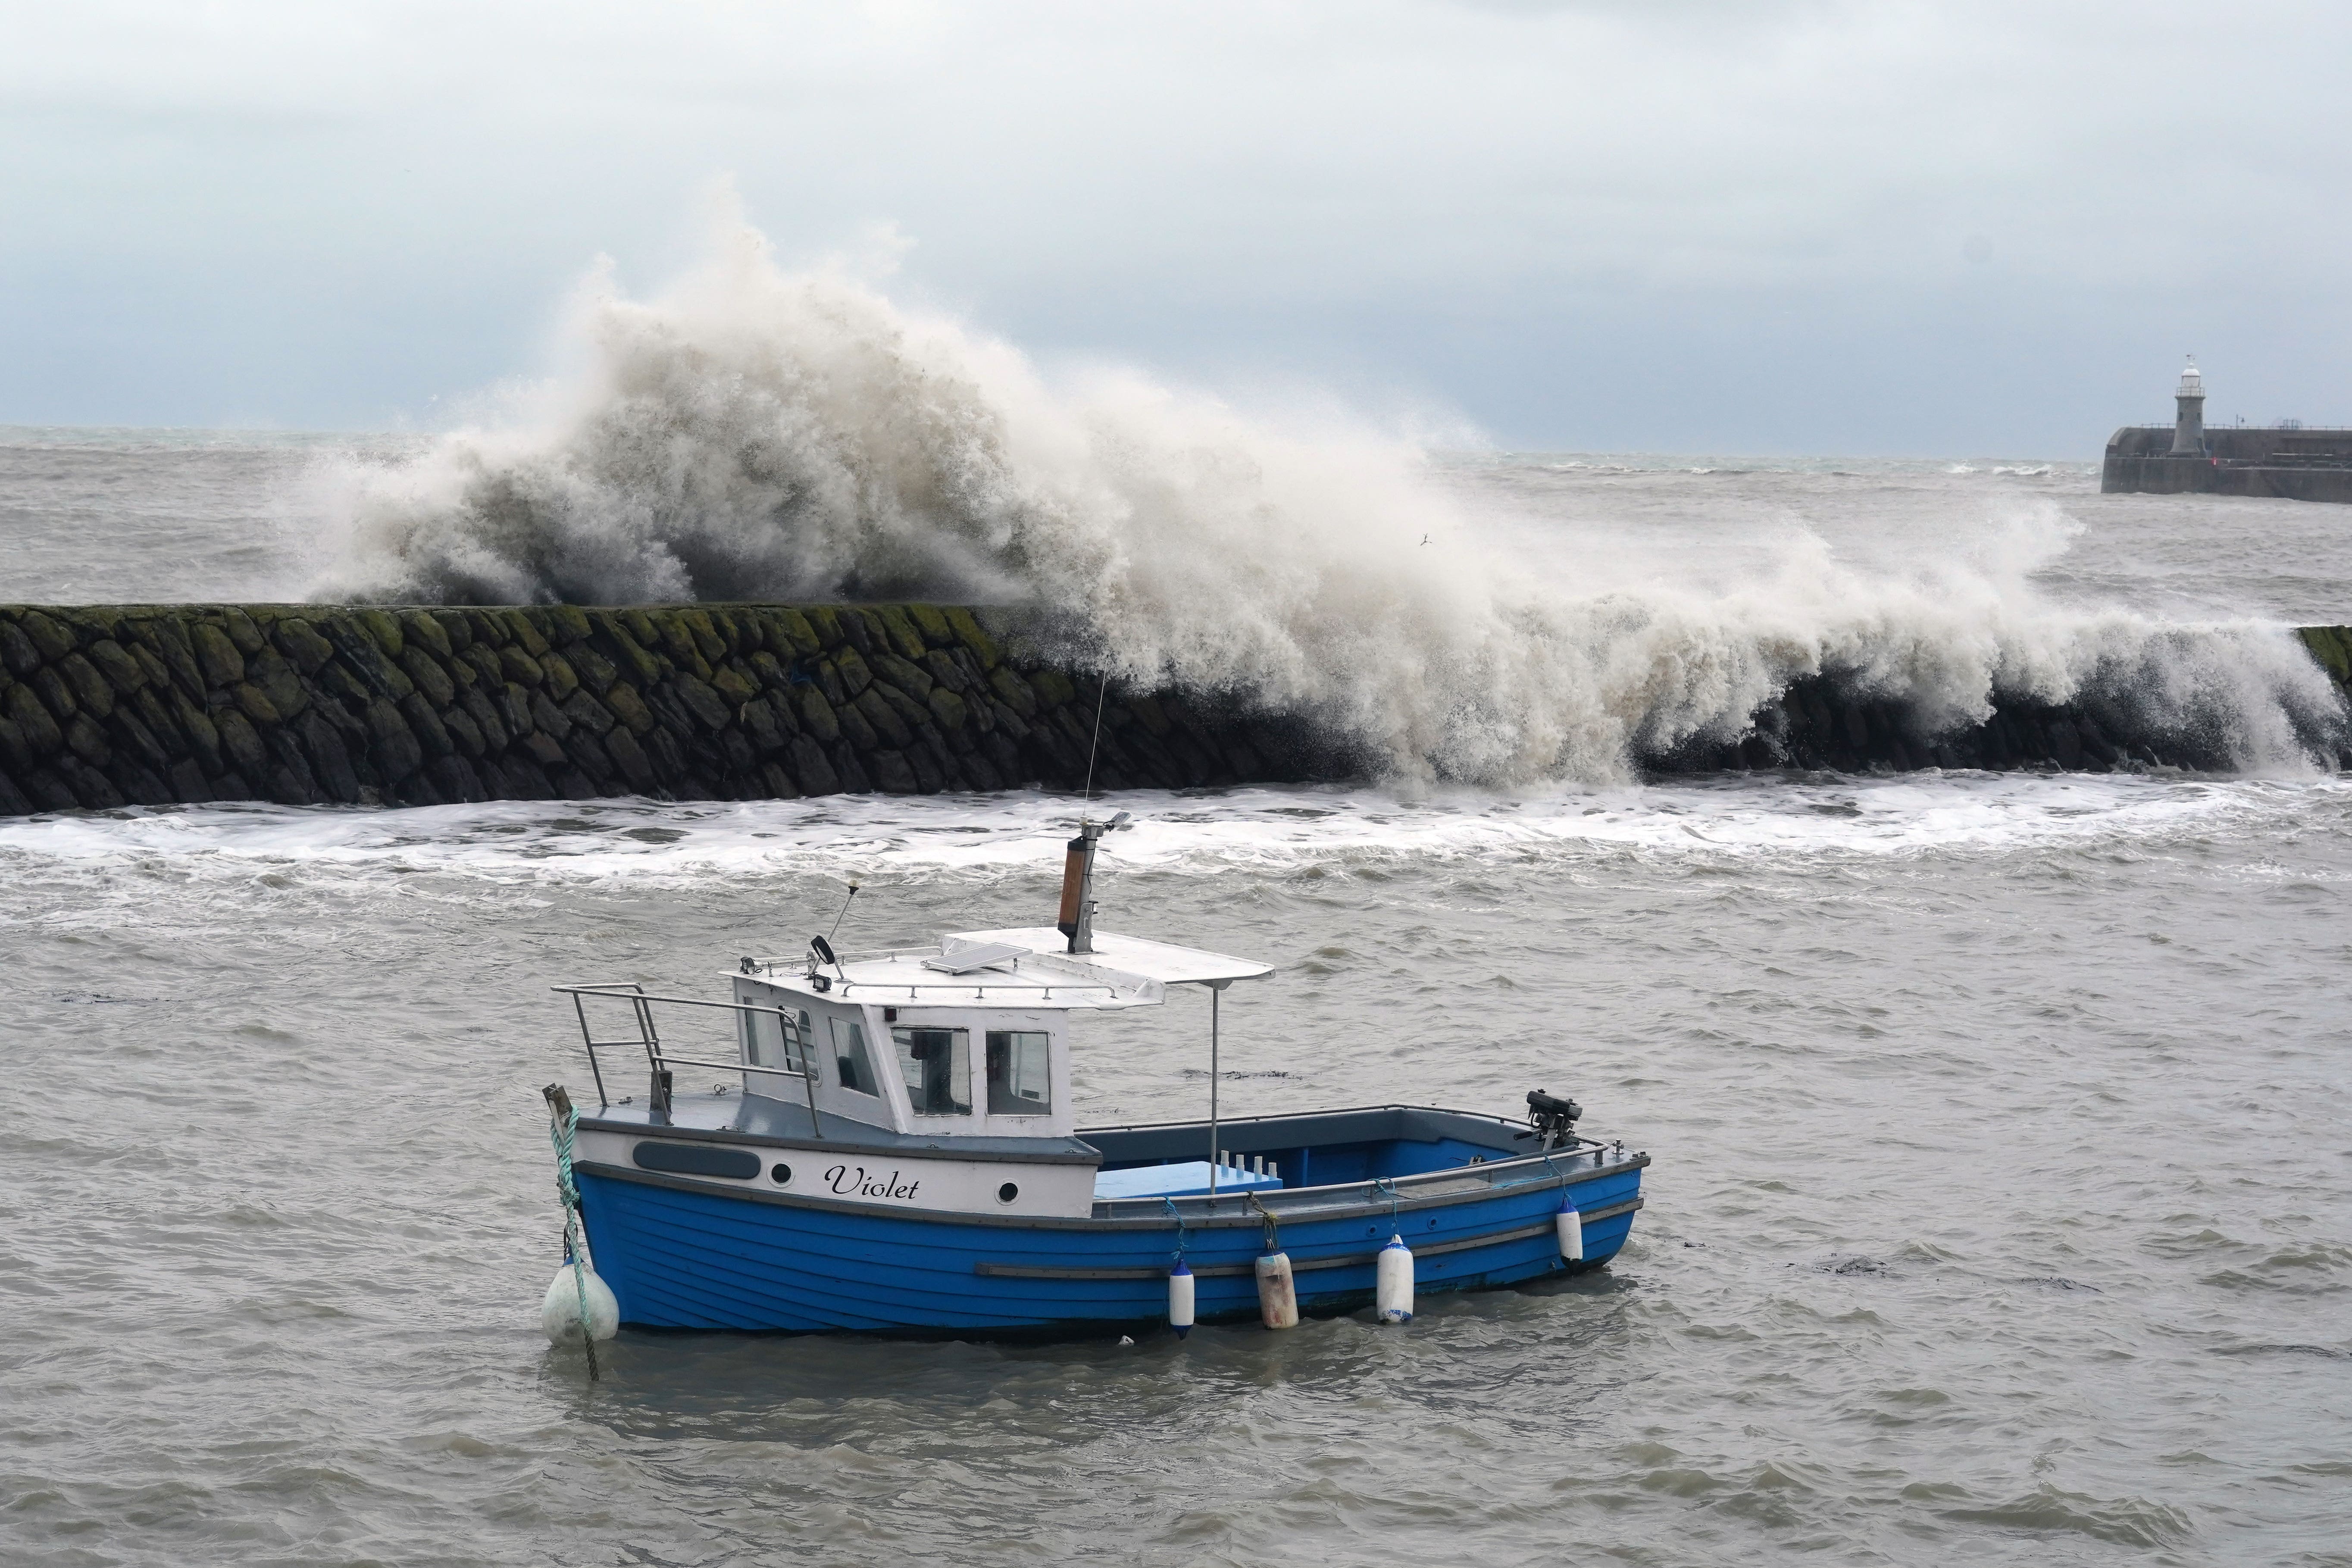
[1007, 1193]
[783, 1175]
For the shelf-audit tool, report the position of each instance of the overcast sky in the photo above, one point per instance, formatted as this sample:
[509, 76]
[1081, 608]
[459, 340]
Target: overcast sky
[1981, 228]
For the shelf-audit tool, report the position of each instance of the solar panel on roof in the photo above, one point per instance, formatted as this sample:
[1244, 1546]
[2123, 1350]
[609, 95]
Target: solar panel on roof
[966, 959]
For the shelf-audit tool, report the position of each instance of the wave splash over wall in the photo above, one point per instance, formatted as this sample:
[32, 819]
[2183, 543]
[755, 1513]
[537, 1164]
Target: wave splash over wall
[755, 434]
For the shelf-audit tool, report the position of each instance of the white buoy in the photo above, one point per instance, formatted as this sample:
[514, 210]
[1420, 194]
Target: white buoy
[559, 1313]
[1572, 1232]
[1180, 1298]
[1278, 1301]
[1393, 1293]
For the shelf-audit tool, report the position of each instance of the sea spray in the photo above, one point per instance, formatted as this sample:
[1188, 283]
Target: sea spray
[758, 434]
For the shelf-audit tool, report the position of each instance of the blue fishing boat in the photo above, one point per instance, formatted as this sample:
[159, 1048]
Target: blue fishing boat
[888, 1147]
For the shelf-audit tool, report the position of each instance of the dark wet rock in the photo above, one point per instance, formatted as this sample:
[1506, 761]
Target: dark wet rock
[16, 650]
[51, 640]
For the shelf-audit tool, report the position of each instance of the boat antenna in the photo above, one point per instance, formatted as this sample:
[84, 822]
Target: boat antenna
[844, 909]
[1102, 687]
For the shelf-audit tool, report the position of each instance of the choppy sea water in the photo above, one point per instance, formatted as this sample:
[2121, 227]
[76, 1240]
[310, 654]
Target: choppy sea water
[1999, 1209]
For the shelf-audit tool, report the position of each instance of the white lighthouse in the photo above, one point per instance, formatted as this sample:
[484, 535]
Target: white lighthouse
[2188, 425]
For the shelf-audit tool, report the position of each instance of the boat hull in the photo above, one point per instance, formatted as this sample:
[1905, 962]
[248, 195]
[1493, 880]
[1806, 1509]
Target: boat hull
[682, 1254]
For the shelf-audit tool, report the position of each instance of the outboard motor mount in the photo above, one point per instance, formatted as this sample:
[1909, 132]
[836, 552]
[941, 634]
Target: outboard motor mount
[1554, 1116]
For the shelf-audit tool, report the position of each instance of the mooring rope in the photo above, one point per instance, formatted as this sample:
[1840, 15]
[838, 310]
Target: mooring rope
[1178, 1215]
[562, 1129]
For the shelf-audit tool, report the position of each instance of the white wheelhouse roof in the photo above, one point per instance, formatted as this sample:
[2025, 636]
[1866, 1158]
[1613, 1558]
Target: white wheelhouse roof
[1030, 970]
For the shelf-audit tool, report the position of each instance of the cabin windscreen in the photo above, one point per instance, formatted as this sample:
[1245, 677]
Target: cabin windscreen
[1020, 1081]
[851, 1065]
[937, 1067]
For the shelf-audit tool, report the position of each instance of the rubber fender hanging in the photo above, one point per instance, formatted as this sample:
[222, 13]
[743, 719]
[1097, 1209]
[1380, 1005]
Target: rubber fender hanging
[1572, 1232]
[1180, 1298]
[1393, 1289]
[1277, 1299]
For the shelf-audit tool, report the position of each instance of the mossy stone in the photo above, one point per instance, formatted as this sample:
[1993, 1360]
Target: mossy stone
[854, 674]
[595, 672]
[430, 677]
[382, 628]
[909, 677]
[630, 707]
[1017, 694]
[113, 661]
[1053, 688]
[519, 666]
[243, 632]
[714, 634]
[635, 663]
[301, 642]
[256, 704]
[969, 632]
[421, 627]
[16, 650]
[734, 687]
[286, 691]
[799, 637]
[932, 622]
[239, 742]
[770, 673]
[563, 681]
[456, 628]
[158, 677]
[216, 657]
[525, 630]
[817, 716]
[567, 624]
[702, 702]
[52, 640]
[905, 640]
[34, 723]
[2327, 644]
[826, 621]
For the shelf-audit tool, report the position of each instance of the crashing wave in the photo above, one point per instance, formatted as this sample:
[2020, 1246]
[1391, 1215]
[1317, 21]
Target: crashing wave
[758, 434]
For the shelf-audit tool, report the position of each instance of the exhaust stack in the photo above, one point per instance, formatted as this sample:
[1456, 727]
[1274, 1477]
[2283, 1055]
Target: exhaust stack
[1077, 919]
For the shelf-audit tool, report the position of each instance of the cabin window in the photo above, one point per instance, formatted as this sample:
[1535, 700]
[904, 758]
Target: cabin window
[1018, 1074]
[937, 1065]
[850, 1063]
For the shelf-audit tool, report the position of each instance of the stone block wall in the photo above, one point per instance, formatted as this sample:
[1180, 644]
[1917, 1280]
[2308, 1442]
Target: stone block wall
[304, 704]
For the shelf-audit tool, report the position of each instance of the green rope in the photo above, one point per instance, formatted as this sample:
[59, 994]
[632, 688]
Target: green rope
[561, 1135]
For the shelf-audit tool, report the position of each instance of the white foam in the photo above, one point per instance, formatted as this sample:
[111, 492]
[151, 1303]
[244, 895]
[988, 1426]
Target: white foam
[1021, 834]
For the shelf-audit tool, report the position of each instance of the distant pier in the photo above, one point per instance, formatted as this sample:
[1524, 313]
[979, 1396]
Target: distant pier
[2289, 462]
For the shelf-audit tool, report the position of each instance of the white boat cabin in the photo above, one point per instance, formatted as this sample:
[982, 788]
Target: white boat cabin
[968, 1040]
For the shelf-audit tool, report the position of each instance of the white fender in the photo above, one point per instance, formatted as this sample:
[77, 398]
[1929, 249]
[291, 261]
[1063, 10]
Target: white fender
[559, 1313]
[1277, 1300]
[1180, 1298]
[1393, 1293]
[1572, 1232]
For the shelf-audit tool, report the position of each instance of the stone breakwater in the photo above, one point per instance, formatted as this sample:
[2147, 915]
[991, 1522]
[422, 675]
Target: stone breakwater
[302, 704]
[305, 704]
[1821, 722]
